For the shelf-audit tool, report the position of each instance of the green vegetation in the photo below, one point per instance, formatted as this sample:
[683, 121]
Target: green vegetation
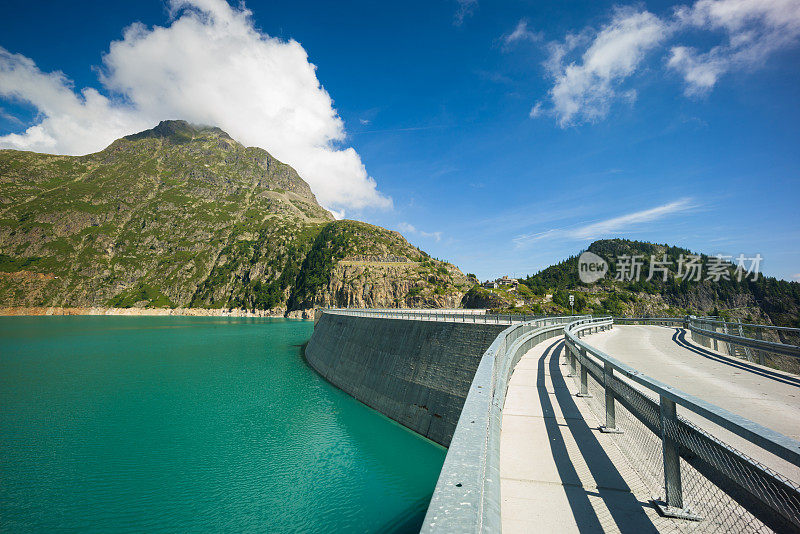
[330, 246]
[765, 300]
[775, 301]
[182, 215]
[142, 292]
[9, 264]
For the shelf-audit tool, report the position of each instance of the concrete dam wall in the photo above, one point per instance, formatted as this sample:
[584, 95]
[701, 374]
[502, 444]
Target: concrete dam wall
[417, 372]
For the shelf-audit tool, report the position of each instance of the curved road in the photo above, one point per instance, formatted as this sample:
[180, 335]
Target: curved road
[761, 394]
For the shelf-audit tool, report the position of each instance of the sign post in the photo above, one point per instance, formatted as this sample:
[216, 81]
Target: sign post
[572, 303]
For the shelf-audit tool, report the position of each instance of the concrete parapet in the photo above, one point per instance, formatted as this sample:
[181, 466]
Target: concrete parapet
[467, 495]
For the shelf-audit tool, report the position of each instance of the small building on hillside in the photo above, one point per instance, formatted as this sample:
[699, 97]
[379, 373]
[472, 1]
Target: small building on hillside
[489, 284]
[506, 281]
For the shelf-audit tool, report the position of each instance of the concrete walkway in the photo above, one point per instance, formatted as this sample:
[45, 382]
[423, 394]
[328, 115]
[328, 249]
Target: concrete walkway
[761, 394]
[558, 472]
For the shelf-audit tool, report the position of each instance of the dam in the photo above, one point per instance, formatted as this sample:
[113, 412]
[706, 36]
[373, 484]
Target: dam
[545, 430]
[366, 357]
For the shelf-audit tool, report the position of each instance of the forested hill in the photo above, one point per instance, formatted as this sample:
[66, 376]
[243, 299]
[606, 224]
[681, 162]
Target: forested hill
[764, 300]
[184, 216]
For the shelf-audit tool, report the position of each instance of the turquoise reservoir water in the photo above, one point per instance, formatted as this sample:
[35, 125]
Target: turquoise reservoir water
[174, 424]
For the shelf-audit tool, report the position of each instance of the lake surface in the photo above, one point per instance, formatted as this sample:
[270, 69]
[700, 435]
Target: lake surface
[174, 424]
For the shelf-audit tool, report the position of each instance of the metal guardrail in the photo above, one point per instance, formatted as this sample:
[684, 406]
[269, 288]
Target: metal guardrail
[757, 344]
[738, 493]
[467, 494]
[458, 311]
[774, 346]
[434, 315]
[659, 321]
[750, 326]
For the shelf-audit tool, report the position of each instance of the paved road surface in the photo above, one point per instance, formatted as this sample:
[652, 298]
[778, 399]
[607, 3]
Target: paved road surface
[558, 473]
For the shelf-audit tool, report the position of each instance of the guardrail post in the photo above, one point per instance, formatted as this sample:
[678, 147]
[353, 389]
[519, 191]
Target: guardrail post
[584, 392]
[760, 336]
[673, 489]
[714, 340]
[573, 362]
[611, 414]
[672, 463]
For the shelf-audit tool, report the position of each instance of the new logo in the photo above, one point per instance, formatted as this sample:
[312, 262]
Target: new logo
[591, 267]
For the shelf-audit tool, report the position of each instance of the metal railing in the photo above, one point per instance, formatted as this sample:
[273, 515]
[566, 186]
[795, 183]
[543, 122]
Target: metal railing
[467, 494]
[777, 334]
[658, 321]
[465, 316]
[773, 346]
[458, 311]
[691, 474]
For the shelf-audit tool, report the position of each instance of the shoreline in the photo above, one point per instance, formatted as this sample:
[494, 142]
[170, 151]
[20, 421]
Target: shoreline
[188, 312]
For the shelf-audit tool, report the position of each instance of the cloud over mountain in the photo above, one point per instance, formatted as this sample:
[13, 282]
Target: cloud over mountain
[210, 65]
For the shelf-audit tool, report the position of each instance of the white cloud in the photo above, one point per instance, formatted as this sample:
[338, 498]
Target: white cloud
[699, 71]
[754, 30]
[411, 229]
[74, 123]
[584, 90]
[616, 224]
[521, 33]
[610, 226]
[209, 66]
[465, 9]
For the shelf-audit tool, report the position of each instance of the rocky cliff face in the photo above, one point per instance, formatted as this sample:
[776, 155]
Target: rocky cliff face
[184, 216]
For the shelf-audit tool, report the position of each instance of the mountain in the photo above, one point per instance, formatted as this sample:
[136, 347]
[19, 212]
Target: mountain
[765, 300]
[184, 216]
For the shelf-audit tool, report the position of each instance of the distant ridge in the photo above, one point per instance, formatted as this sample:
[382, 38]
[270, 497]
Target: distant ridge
[765, 300]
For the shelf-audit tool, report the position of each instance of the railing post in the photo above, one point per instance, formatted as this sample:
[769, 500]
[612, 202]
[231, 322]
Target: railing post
[611, 414]
[673, 489]
[584, 392]
[672, 462]
[714, 340]
[572, 362]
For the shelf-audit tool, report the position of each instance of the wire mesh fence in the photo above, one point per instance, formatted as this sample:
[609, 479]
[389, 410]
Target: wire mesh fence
[707, 485]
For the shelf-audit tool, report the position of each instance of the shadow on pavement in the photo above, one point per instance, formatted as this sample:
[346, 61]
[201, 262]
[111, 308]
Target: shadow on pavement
[627, 511]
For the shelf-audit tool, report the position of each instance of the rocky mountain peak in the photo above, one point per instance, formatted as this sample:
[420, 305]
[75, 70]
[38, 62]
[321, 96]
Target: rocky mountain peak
[182, 215]
[179, 131]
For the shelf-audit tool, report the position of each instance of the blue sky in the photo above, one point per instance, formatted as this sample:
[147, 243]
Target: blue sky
[501, 136]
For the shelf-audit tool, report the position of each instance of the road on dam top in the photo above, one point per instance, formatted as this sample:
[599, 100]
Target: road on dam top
[764, 395]
[558, 473]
